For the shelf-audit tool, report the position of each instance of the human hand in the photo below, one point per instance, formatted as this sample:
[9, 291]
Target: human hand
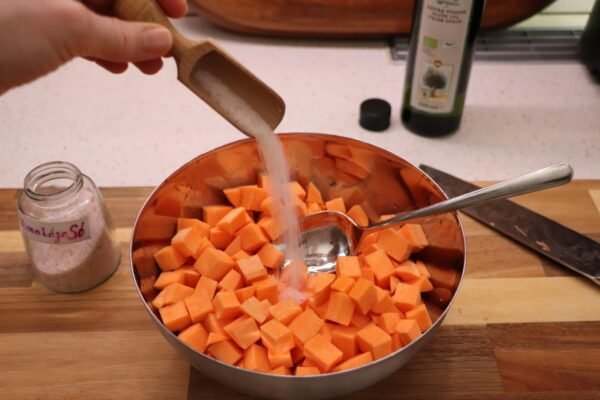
[38, 36]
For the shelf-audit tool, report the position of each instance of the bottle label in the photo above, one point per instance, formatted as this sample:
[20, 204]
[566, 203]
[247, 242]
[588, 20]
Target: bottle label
[442, 38]
[54, 232]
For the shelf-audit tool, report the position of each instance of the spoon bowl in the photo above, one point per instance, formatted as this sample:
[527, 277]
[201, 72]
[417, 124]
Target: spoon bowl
[327, 235]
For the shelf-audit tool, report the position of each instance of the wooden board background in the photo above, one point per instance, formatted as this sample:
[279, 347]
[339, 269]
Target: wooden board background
[522, 326]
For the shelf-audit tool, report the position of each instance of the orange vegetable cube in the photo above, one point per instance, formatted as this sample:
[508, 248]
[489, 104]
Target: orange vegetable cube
[187, 241]
[231, 281]
[374, 339]
[215, 338]
[354, 362]
[396, 341]
[420, 314]
[381, 266]
[194, 336]
[244, 293]
[423, 283]
[322, 285]
[252, 196]
[225, 351]
[312, 208]
[270, 256]
[202, 227]
[320, 309]
[344, 338]
[306, 325]
[336, 204]
[394, 245]
[371, 249]
[175, 317]
[255, 358]
[214, 264]
[172, 294]
[367, 273]
[270, 206]
[415, 236]
[359, 320]
[226, 305]
[207, 286]
[348, 266]
[422, 269]
[408, 330]
[205, 243]
[280, 359]
[313, 194]
[213, 214]
[304, 371]
[253, 308]
[393, 283]
[169, 277]
[252, 269]
[388, 321]
[169, 259]
[358, 214]
[327, 330]
[408, 271]
[240, 255]
[340, 309]
[234, 195]
[253, 238]
[406, 297]
[219, 238]
[276, 337]
[324, 354]
[297, 355]
[190, 274]
[364, 295]
[198, 306]
[243, 331]
[343, 283]
[234, 247]
[212, 324]
[273, 228]
[281, 371]
[285, 311]
[268, 289]
[384, 302]
[297, 190]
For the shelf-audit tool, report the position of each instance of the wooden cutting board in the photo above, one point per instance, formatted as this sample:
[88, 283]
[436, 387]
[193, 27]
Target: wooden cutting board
[342, 18]
[521, 328]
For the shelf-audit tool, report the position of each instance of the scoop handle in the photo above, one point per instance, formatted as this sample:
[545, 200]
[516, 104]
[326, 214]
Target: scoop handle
[151, 11]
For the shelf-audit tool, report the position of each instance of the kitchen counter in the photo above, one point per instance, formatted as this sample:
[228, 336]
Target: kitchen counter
[132, 130]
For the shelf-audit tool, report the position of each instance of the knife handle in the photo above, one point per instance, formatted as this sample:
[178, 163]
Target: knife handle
[554, 175]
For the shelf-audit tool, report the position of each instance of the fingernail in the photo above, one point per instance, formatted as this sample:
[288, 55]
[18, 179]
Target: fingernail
[156, 40]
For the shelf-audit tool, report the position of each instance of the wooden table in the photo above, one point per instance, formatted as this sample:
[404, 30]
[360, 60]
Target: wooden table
[521, 328]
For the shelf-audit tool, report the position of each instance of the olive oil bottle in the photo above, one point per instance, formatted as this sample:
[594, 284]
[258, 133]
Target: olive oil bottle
[439, 63]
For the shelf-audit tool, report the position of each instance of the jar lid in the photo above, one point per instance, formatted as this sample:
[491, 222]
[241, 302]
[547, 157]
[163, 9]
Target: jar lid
[375, 114]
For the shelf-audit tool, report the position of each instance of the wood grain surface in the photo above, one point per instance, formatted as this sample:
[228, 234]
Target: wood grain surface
[522, 327]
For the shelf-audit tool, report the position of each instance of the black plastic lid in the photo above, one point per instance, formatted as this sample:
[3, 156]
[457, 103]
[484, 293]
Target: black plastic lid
[375, 114]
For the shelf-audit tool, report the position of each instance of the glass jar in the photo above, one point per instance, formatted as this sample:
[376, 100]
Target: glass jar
[66, 228]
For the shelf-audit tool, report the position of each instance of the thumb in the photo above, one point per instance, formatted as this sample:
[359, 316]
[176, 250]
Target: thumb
[112, 39]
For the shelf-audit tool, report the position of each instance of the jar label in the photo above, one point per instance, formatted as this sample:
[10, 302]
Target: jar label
[66, 232]
[439, 54]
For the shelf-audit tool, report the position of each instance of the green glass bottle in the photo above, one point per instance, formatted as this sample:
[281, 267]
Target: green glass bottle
[439, 63]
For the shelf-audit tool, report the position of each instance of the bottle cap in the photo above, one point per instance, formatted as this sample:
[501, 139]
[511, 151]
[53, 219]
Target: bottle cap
[375, 114]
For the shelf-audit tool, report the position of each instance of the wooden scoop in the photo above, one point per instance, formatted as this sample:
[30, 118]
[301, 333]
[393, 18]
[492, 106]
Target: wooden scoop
[205, 58]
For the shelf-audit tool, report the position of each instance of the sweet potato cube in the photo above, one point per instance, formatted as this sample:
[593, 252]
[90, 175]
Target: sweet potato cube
[215, 338]
[388, 321]
[322, 285]
[280, 359]
[200, 226]
[255, 358]
[408, 330]
[359, 320]
[327, 330]
[374, 339]
[343, 283]
[214, 264]
[225, 351]
[396, 341]
[415, 236]
[268, 289]
[270, 256]
[281, 371]
[252, 269]
[394, 245]
[276, 337]
[324, 354]
[190, 274]
[251, 196]
[186, 241]
[320, 309]
[207, 286]
[198, 306]
[420, 314]
[270, 206]
[422, 269]
[340, 309]
[231, 281]
[219, 238]
[168, 277]
[234, 247]
[406, 297]
[168, 258]
[364, 295]
[368, 274]
[234, 195]
[213, 214]
[313, 208]
[295, 275]
[240, 255]
[285, 311]
[212, 324]
[234, 220]
[348, 266]
[272, 227]
[354, 362]
[306, 325]
[358, 214]
[243, 331]
[336, 204]
[344, 338]
[382, 267]
[253, 308]
[205, 243]
[194, 336]
[253, 238]
[408, 271]
[384, 302]
[226, 305]
[172, 294]
[423, 283]
[244, 293]
[175, 317]
[304, 371]
[297, 190]
[313, 194]
[394, 280]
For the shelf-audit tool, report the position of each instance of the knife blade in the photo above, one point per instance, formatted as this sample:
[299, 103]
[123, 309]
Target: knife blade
[543, 235]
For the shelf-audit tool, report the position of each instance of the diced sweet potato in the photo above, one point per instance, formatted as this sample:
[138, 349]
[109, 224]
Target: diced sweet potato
[226, 305]
[313, 194]
[270, 256]
[394, 245]
[285, 311]
[169, 277]
[276, 337]
[374, 339]
[408, 330]
[280, 359]
[252, 269]
[415, 236]
[381, 266]
[388, 321]
[340, 308]
[420, 314]
[304, 371]
[354, 362]
[406, 297]
[243, 331]
[194, 336]
[306, 325]
[358, 214]
[253, 238]
[169, 259]
[343, 284]
[172, 294]
[214, 264]
[244, 293]
[225, 351]
[384, 302]
[324, 354]
[267, 289]
[198, 306]
[206, 286]
[213, 214]
[175, 316]
[186, 241]
[364, 295]
[255, 358]
[219, 238]
[348, 266]
[231, 281]
[336, 204]
[251, 197]
[234, 220]
[253, 308]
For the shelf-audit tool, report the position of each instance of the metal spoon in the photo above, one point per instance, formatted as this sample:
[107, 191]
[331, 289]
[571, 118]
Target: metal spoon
[326, 235]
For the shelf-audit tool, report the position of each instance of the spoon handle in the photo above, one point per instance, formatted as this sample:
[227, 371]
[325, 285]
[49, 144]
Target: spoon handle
[554, 175]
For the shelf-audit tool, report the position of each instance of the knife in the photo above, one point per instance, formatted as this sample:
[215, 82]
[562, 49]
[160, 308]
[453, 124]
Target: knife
[550, 239]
